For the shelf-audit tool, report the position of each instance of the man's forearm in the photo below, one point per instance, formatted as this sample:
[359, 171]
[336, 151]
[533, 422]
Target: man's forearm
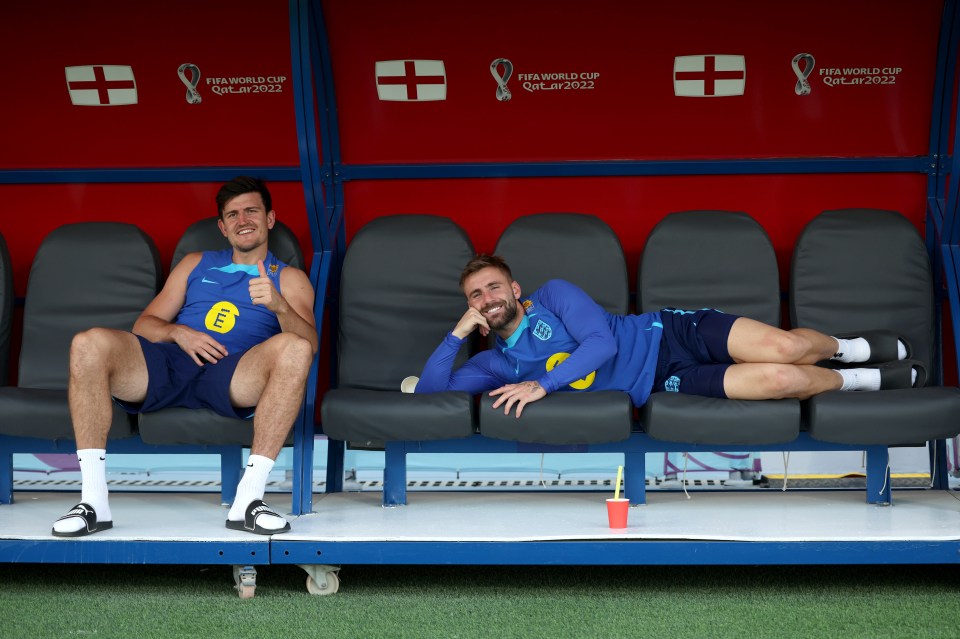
[154, 329]
[436, 372]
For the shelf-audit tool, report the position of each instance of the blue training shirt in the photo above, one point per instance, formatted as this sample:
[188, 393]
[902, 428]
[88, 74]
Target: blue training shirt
[218, 301]
[566, 342]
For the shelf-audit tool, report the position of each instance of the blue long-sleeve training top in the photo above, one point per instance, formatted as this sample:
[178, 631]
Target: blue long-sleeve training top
[565, 341]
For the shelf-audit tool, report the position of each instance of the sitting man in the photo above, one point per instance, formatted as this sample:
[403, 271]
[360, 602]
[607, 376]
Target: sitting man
[703, 352]
[231, 330]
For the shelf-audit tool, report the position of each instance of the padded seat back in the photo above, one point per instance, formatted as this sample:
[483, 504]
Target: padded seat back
[399, 296]
[579, 248]
[6, 311]
[860, 269]
[205, 235]
[84, 275]
[710, 259]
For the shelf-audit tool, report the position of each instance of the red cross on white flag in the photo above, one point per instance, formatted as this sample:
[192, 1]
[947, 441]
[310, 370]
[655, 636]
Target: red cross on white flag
[411, 80]
[101, 85]
[709, 76]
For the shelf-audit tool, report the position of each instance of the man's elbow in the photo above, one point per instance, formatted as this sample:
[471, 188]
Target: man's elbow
[607, 349]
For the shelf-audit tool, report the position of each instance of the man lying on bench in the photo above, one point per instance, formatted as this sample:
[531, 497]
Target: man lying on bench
[231, 331]
[704, 352]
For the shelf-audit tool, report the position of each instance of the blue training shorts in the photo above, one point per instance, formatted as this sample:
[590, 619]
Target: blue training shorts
[693, 352]
[174, 379]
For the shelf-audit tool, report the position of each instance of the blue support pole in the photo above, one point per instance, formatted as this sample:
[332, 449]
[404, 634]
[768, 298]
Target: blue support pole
[635, 477]
[395, 474]
[878, 475]
[231, 467]
[6, 477]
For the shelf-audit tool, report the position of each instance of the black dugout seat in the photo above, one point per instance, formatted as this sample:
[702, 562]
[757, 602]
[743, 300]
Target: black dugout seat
[398, 298]
[584, 250]
[201, 425]
[722, 260]
[6, 310]
[90, 274]
[860, 269]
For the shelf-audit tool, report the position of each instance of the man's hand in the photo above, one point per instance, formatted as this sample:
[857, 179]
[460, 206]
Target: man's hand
[520, 394]
[471, 321]
[263, 292]
[198, 345]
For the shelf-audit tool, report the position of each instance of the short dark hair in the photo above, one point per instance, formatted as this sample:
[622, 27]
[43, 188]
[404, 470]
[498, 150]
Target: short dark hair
[240, 185]
[482, 261]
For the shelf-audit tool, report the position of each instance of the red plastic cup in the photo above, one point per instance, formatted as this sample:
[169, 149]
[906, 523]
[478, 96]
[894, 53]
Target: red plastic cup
[617, 510]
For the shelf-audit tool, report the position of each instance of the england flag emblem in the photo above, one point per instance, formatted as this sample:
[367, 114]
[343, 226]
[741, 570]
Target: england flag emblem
[709, 76]
[411, 80]
[101, 85]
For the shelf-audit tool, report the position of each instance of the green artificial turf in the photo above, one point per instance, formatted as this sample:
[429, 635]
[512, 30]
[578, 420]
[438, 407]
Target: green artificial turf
[141, 602]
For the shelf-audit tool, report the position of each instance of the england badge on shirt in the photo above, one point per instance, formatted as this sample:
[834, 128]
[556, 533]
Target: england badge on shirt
[542, 331]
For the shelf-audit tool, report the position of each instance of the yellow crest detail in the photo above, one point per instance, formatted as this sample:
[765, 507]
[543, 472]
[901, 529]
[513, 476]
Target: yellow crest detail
[221, 317]
[581, 384]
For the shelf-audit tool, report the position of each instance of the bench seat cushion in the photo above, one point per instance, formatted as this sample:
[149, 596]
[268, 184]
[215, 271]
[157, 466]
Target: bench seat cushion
[561, 419]
[44, 413]
[179, 426]
[368, 416]
[892, 417]
[675, 417]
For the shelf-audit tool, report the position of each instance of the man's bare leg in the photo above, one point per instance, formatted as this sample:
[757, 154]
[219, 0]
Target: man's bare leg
[753, 341]
[271, 376]
[103, 363]
[776, 381]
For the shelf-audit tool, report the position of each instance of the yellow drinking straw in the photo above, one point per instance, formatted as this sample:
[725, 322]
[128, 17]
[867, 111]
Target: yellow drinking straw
[616, 493]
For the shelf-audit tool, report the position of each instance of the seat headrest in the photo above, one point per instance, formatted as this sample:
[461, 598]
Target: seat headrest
[710, 259]
[576, 247]
[399, 297]
[860, 269]
[83, 275]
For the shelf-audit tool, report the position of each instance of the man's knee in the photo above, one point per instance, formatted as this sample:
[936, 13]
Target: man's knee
[784, 380]
[90, 348]
[790, 347]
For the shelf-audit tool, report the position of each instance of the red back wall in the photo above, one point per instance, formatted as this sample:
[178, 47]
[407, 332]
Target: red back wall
[591, 81]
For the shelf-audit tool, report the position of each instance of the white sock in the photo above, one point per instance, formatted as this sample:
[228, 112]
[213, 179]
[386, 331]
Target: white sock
[252, 486]
[852, 350]
[858, 350]
[866, 379]
[93, 476]
[860, 379]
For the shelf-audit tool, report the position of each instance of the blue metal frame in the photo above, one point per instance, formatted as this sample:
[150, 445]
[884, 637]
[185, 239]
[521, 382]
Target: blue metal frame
[146, 175]
[634, 451]
[619, 168]
[91, 550]
[615, 552]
